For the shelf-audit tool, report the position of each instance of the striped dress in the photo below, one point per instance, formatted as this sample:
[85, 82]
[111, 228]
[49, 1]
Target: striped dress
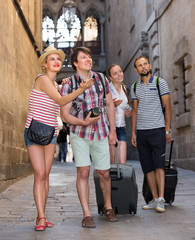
[43, 109]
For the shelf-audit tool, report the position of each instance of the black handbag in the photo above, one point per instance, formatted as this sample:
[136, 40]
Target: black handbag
[40, 133]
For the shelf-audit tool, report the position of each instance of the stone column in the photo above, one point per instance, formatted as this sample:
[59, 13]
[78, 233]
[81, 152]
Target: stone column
[102, 20]
[55, 30]
[82, 29]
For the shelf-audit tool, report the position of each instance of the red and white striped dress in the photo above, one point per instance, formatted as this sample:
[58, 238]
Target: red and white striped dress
[41, 108]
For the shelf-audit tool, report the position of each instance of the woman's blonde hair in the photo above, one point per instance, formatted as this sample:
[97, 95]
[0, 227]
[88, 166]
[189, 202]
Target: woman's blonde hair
[43, 68]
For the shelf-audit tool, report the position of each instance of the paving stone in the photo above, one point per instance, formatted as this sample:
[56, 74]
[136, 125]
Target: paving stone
[18, 211]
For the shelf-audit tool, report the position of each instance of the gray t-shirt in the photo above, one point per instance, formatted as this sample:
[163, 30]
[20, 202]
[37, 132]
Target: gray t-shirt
[150, 115]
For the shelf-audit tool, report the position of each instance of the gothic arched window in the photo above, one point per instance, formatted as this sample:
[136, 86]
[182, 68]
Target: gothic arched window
[91, 25]
[67, 32]
[90, 29]
[48, 33]
[62, 33]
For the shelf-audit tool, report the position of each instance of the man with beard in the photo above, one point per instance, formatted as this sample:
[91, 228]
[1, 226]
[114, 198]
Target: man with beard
[153, 128]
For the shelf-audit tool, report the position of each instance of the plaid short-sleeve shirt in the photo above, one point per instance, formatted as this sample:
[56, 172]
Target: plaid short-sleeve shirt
[90, 98]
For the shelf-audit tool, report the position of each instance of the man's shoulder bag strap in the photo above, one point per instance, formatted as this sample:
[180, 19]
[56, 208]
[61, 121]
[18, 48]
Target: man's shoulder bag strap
[158, 87]
[74, 86]
[135, 86]
[103, 81]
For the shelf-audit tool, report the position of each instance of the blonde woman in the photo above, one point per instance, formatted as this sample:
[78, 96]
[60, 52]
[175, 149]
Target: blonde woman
[44, 105]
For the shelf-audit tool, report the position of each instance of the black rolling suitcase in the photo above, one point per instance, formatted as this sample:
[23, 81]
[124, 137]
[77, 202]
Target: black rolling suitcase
[124, 191]
[171, 178]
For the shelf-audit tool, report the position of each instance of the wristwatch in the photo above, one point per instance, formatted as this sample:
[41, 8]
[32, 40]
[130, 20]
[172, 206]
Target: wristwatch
[167, 132]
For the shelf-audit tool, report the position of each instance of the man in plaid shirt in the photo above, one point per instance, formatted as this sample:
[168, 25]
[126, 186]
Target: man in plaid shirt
[90, 136]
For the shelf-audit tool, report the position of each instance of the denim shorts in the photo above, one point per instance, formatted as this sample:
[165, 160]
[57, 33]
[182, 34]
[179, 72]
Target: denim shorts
[121, 134]
[30, 143]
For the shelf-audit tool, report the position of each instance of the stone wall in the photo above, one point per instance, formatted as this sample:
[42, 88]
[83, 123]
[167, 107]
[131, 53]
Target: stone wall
[178, 66]
[20, 46]
[161, 30]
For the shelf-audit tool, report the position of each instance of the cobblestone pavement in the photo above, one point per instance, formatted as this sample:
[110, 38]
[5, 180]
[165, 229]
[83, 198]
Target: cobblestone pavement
[18, 212]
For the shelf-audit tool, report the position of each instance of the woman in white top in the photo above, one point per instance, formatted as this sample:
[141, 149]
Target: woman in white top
[122, 109]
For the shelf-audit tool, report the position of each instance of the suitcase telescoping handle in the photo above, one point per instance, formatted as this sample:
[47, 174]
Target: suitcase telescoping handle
[117, 160]
[170, 155]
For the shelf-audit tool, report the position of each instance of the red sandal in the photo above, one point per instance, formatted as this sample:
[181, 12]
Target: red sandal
[40, 227]
[48, 224]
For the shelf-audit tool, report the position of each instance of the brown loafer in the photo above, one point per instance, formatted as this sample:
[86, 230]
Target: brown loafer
[88, 222]
[110, 215]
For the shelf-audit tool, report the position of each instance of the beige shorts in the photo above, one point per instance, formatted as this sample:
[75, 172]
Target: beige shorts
[84, 148]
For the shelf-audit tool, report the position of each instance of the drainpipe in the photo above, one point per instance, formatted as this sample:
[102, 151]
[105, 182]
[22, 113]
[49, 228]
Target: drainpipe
[26, 27]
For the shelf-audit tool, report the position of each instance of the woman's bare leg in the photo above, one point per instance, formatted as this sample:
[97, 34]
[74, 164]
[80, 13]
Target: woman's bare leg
[122, 152]
[36, 154]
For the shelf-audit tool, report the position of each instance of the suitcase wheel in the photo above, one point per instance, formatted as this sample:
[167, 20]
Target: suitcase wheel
[132, 210]
[101, 213]
[169, 197]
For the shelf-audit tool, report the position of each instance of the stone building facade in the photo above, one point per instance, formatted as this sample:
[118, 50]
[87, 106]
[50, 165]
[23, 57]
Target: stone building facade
[162, 30]
[20, 46]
